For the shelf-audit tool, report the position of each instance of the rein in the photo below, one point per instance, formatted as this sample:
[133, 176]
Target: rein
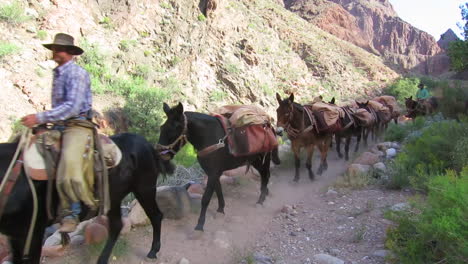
[179, 141]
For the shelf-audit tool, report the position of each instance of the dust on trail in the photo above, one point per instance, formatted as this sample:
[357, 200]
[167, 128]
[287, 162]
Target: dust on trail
[227, 238]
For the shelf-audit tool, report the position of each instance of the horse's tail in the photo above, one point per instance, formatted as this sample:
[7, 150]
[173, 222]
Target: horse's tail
[65, 239]
[275, 156]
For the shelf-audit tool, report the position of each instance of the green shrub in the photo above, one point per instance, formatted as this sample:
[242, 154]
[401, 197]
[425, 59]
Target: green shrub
[186, 156]
[427, 151]
[398, 132]
[453, 100]
[435, 231]
[13, 13]
[7, 49]
[41, 34]
[201, 17]
[402, 88]
[144, 111]
[127, 45]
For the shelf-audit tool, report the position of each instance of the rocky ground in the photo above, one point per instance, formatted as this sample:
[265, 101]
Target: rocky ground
[305, 222]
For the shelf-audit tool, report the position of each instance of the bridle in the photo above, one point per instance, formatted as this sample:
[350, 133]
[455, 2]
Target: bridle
[292, 132]
[179, 141]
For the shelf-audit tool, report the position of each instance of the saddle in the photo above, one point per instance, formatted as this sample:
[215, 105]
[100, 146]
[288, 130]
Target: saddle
[326, 117]
[42, 154]
[248, 130]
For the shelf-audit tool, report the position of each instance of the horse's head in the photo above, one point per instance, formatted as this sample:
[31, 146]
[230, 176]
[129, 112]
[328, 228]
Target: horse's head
[411, 106]
[285, 110]
[363, 105]
[173, 134]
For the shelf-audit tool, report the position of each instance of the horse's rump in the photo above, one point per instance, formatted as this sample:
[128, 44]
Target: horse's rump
[383, 112]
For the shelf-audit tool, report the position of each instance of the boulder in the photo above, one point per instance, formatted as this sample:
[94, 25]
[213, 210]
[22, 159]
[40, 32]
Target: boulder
[137, 215]
[174, 201]
[391, 152]
[95, 233]
[358, 169]
[367, 158]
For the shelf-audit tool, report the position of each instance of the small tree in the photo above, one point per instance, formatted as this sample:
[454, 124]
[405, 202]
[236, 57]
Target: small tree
[458, 50]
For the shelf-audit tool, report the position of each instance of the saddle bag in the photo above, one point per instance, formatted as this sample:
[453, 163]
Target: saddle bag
[322, 125]
[251, 139]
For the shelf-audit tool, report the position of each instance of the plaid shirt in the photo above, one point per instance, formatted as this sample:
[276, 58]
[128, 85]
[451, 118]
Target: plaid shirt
[71, 94]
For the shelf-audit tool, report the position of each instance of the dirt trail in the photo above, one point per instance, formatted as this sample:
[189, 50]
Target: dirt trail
[226, 237]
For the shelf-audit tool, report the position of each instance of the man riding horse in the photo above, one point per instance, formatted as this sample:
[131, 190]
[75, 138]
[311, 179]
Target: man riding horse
[71, 104]
[422, 96]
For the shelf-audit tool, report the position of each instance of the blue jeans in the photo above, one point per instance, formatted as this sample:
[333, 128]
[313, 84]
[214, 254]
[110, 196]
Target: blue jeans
[75, 209]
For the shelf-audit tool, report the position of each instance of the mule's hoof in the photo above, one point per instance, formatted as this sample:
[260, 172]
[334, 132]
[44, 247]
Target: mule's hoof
[259, 205]
[152, 255]
[221, 211]
[296, 179]
[199, 228]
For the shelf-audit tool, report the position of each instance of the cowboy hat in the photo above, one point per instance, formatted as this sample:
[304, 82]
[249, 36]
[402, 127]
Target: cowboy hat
[64, 40]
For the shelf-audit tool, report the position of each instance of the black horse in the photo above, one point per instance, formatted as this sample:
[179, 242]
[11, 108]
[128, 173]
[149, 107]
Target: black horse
[351, 127]
[203, 131]
[137, 173]
[416, 108]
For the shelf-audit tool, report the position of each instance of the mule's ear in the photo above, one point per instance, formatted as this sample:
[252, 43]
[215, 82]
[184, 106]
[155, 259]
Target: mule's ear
[166, 108]
[411, 97]
[291, 98]
[332, 100]
[179, 108]
[367, 102]
[278, 97]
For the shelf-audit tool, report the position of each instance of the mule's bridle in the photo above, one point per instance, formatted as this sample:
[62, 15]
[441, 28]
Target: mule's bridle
[179, 141]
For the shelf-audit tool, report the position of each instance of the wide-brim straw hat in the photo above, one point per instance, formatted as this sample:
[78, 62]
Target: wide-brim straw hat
[65, 40]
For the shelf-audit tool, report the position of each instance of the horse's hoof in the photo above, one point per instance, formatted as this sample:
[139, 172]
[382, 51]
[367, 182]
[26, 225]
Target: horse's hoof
[199, 228]
[220, 210]
[152, 255]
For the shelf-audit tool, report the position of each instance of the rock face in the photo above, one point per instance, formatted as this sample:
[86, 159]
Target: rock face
[446, 38]
[375, 26]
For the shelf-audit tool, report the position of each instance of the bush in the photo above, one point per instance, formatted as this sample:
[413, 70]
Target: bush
[428, 151]
[186, 156]
[435, 231]
[144, 111]
[453, 100]
[7, 49]
[398, 132]
[402, 88]
[13, 13]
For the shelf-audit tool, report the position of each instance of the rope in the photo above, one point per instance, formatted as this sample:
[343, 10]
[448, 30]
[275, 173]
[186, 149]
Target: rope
[15, 156]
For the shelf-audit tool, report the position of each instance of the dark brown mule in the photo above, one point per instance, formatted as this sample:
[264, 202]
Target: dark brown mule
[378, 126]
[420, 107]
[351, 127]
[293, 118]
[206, 132]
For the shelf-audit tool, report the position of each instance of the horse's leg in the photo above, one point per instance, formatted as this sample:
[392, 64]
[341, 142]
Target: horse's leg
[365, 135]
[323, 147]
[115, 226]
[219, 194]
[263, 167]
[212, 179]
[347, 143]
[310, 153]
[17, 247]
[358, 140]
[338, 146]
[296, 148]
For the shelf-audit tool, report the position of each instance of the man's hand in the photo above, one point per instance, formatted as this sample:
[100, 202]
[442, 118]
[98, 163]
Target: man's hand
[30, 120]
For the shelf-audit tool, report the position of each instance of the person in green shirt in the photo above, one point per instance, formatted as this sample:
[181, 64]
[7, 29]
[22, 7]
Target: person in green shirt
[423, 93]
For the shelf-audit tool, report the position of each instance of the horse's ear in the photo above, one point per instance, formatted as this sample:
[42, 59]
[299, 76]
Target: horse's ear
[166, 108]
[332, 100]
[367, 102]
[291, 98]
[179, 108]
[278, 97]
[411, 97]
